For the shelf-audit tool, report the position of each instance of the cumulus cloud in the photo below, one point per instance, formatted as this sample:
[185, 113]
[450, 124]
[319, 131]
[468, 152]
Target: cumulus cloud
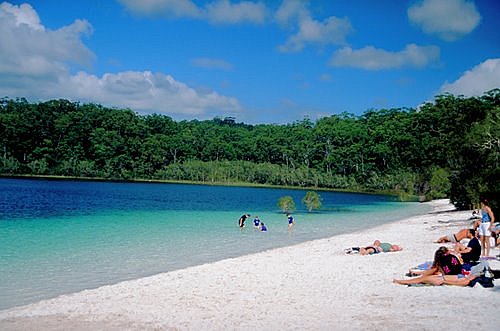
[291, 11]
[27, 48]
[309, 31]
[371, 58]
[474, 82]
[34, 63]
[293, 14]
[330, 31]
[448, 19]
[146, 91]
[217, 12]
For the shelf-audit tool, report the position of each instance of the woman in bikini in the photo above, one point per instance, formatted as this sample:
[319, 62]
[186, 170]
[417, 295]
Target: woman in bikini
[446, 269]
[369, 250]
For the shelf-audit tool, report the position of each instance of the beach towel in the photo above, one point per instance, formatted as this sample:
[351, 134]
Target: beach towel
[352, 250]
[424, 266]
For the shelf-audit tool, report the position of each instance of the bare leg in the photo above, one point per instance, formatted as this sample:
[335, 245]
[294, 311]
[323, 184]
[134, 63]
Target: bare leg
[442, 240]
[483, 244]
[431, 280]
[454, 280]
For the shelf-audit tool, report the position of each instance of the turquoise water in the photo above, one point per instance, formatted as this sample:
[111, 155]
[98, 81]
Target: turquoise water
[59, 237]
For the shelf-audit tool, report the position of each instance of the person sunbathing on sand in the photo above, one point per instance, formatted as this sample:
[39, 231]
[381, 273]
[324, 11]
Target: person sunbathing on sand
[455, 238]
[375, 248]
[379, 247]
[386, 247]
[446, 269]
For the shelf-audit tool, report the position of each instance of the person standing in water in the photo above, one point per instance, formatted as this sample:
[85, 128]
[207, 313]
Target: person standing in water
[487, 223]
[243, 218]
[256, 222]
[291, 221]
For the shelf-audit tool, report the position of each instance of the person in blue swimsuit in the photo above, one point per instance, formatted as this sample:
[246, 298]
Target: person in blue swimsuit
[256, 222]
[263, 227]
[291, 221]
[487, 223]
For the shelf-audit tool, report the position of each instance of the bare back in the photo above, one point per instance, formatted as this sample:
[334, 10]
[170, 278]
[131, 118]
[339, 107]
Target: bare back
[462, 234]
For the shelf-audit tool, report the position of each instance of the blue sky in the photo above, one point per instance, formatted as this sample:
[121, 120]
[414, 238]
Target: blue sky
[258, 61]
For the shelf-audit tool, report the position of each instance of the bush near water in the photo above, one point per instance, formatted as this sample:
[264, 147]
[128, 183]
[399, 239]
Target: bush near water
[446, 148]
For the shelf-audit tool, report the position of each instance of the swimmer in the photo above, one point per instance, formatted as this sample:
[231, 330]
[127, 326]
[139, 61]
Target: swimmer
[243, 218]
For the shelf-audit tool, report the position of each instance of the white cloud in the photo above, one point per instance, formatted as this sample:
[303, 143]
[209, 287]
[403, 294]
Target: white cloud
[295, 13]
[482, 78]
[27, 48]
[23, 14]
[448, 19]
[224, 12]
[216, 64]
[169, 8]
[218, 11]
[34, 63]
[291, 11]
[371, 58]
[146, 91]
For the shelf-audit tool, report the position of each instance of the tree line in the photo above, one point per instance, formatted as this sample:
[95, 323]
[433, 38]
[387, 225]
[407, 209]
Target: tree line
[446, 148]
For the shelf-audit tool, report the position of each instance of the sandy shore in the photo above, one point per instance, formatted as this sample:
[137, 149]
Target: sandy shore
[312, 286]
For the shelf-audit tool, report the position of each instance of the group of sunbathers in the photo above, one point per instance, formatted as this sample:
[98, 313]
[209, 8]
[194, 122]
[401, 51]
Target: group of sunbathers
[461, 265]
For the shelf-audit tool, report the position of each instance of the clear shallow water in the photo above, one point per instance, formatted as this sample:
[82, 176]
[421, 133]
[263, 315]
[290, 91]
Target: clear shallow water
[59, 237]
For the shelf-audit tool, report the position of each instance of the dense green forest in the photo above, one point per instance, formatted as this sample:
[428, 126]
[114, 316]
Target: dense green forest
[446, 148]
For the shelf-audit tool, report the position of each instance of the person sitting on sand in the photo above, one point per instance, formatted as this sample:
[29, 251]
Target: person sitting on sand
[472, 251]
[455, 238]
[446, 269]
[262, 227]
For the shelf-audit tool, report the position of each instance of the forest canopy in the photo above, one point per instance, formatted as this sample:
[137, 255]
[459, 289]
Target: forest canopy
[445, 148]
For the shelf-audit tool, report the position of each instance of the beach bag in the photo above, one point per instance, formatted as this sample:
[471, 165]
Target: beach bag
[481, 269]
[483, 273]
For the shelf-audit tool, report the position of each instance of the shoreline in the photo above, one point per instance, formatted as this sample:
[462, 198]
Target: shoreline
[187, 182]
[311, 285]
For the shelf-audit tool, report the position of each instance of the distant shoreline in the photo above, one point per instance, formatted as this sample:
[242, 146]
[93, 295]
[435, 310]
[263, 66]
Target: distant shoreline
[171, 181]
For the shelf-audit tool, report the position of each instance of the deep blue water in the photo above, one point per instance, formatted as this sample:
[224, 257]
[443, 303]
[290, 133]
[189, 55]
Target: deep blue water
[28, 199]
[64, 236]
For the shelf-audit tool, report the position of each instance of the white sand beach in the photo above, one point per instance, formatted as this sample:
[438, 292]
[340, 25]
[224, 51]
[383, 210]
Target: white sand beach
[310, 286]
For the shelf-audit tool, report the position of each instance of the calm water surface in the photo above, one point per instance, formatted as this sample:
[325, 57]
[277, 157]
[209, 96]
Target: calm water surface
[60, 237]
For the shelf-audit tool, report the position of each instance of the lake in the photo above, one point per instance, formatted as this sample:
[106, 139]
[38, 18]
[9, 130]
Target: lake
[60, 237]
